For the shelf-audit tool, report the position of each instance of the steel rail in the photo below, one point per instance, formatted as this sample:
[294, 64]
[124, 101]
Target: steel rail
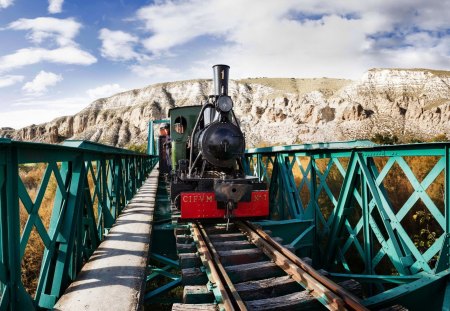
[229, 284]
[302, 272]
[217, 271]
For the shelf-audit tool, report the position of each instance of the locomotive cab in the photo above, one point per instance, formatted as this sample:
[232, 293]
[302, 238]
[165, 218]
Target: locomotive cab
[182, 121]
[208, 179]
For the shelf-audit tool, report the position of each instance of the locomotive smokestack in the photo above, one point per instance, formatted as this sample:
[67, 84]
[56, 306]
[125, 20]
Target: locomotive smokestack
[221, 79]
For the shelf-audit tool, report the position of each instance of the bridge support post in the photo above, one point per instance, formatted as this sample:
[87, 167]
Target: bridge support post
[105, 189]
[258, 167]
[444, 257]
[312, 209]
[64, 253]
[14, 293]
[367, 237]
[150, 139]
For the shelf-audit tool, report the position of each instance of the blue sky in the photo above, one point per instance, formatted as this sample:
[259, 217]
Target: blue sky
[56, 56]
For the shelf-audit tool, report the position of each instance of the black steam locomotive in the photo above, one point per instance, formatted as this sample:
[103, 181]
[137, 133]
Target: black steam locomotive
[206, 160]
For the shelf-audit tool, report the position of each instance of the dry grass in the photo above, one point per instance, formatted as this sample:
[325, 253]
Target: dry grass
[31, 177]
[301, 87]
[91, 184]
[439, 73]
[418, 223]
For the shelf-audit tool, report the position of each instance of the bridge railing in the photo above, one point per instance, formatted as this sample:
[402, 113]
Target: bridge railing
[378, 212]
[86, 185]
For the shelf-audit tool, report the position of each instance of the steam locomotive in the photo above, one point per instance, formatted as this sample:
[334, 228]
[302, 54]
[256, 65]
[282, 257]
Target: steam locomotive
[207, 178]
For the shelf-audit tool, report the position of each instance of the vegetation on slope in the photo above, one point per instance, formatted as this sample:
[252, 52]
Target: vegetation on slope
[299, 86]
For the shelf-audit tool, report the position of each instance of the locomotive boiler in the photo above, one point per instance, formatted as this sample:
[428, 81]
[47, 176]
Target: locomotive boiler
[207, 178]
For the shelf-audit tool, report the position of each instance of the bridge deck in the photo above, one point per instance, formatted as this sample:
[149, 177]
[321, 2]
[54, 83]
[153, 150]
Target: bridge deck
[114, 276]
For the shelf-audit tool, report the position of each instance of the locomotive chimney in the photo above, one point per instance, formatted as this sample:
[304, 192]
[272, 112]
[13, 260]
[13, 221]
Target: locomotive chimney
[221, 79]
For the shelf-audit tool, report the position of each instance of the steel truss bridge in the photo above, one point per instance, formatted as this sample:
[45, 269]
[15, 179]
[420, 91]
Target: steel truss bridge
[375, 214]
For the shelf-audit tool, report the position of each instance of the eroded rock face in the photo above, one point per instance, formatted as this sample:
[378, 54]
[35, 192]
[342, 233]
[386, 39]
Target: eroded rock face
[408, 103]
[355, 112]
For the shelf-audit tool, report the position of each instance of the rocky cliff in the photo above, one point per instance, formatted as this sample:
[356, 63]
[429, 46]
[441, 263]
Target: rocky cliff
[410, 103]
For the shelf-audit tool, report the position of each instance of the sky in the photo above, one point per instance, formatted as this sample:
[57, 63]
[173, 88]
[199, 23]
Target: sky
[57, 56]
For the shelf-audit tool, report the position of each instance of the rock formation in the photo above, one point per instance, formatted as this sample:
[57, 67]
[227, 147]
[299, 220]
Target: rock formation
[409, 103]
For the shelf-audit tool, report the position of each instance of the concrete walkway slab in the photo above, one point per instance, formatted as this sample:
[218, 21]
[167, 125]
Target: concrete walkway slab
[114, 276]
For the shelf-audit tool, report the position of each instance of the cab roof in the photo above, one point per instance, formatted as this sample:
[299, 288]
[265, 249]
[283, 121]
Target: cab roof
[182, 108]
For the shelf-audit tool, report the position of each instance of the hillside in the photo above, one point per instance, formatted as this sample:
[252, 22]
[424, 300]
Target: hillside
[410, 103]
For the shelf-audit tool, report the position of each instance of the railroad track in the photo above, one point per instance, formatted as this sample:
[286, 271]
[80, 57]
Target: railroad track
[246, 269]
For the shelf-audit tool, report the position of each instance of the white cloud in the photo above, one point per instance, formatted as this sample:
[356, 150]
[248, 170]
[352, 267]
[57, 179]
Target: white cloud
[20, 118]
[59, 32]
[30, 56]
[104, 91]
[34, 111]
[63, 31]
[71, 103]
[41, 83]
[301, 38]
[55, 6]
[118, 45]
[9, 80]
[5, 3]
[156, 72]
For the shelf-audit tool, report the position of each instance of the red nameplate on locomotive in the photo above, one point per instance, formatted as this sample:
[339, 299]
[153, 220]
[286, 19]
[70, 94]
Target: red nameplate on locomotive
[257, 207]
[198, 205]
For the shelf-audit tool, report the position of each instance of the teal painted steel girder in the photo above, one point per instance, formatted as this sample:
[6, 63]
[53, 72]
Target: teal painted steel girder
[421, 149]
[342, 187]
[92, 183]
[43, 153]
[314, 146]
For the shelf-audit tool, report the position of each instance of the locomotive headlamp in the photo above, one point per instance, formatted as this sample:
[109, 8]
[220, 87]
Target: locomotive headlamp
[224, 103]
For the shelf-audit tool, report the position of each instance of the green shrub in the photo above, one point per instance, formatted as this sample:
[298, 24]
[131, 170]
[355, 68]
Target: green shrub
[142, 148]
[439, 138]
[385, 139]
